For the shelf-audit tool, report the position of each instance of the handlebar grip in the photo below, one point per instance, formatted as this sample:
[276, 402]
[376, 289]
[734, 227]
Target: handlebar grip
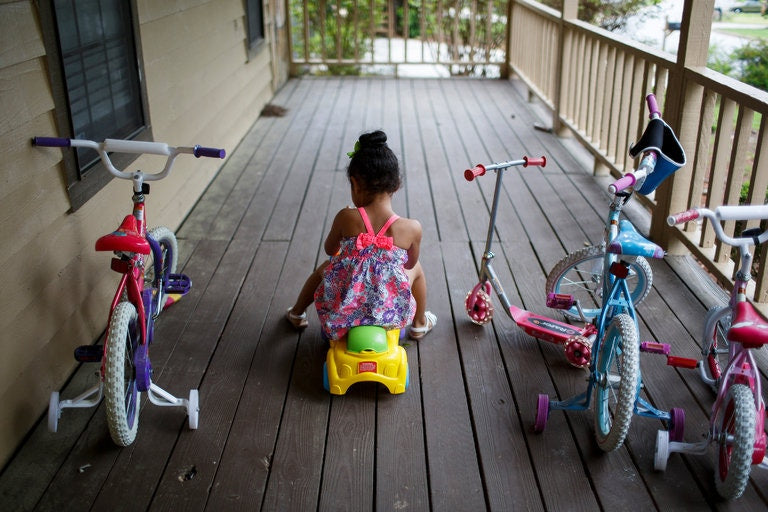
[209, 152]
[653, 107]
[471, 174]
[540, 162]
[685, 216]
[54, 142]
[620, 184]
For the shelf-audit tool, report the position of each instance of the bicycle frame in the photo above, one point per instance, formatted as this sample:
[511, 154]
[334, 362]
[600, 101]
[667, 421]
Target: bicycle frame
[744, 333]
[125, 369]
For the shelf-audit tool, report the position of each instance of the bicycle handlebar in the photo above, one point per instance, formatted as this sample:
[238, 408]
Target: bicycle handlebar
[726, 213]
[647, 163]
[480, 169]
[653, 106]
[131, 146]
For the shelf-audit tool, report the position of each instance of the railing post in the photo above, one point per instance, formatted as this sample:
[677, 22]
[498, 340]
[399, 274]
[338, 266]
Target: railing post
[682, 110]
[570, 11]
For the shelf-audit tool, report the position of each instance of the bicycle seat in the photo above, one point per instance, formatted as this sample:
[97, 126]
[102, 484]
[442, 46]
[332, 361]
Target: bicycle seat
[748, 327]
[126, 238]
[631, 243]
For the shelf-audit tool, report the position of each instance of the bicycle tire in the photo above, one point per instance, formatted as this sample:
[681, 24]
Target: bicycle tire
[121, 395]
[736, 421]
[169, 248]
[618, 360]
[715, 348]
[580, 274]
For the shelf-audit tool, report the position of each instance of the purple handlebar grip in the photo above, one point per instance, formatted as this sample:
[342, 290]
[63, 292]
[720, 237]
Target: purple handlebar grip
[685, 216]
[209, 152]
[624, 182]
[471, 174]
[55, 142]
[653, 107]
[540, 162]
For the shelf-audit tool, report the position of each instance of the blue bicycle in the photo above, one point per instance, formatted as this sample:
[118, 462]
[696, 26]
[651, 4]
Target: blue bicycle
[614, 368]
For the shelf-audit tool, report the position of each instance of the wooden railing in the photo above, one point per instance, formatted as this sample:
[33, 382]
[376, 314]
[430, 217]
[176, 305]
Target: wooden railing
[593, 81]
[453, 37]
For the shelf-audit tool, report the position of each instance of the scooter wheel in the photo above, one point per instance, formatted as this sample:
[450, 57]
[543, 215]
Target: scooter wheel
[479, 307]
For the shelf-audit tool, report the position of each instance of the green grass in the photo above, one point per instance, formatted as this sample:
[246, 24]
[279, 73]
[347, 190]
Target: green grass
[751, 33]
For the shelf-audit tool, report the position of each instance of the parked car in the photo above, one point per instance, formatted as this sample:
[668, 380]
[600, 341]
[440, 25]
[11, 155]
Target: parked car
[747, 6]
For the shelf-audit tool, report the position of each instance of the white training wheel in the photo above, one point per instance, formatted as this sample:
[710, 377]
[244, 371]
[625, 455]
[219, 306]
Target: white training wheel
[54, 412]
[662, 450]
[193, 409]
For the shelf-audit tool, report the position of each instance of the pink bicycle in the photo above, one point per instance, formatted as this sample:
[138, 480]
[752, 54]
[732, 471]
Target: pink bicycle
[737, 419]
[146, 260]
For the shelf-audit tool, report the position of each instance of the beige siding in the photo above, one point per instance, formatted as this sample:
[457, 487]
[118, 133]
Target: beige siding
[202, 88]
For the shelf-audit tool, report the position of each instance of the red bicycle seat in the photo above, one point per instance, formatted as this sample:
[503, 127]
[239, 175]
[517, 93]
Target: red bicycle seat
[126, 238]
[748, 327]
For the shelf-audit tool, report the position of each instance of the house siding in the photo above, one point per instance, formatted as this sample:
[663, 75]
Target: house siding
[202, 87]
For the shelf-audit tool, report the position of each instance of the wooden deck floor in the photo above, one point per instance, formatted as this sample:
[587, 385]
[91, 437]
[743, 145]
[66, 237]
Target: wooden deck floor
[272, 439]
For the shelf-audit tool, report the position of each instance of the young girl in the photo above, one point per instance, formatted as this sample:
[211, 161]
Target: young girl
[374, 276]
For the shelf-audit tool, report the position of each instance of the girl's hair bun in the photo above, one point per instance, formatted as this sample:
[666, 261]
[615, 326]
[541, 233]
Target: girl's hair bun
[373, 139]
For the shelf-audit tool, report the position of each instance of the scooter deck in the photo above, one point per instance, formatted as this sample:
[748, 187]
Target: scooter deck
[545, 328]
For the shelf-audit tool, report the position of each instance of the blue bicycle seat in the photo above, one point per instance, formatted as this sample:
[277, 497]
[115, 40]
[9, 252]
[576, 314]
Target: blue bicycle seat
[631, 243]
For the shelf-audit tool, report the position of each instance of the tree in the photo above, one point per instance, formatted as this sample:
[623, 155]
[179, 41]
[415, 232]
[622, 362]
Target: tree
[754, 63]
[610, 15]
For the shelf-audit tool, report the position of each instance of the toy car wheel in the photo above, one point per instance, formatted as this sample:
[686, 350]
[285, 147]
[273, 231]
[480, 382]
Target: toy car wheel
[542, 413]
[326, 384]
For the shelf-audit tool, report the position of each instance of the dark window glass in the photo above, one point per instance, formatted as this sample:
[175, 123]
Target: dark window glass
[255, 22]
[100, 71]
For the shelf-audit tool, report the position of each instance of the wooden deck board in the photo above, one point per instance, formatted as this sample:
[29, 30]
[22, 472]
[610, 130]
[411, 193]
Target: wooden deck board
[460, 438]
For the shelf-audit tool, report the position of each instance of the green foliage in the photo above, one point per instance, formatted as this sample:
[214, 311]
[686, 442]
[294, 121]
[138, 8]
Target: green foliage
[754, 63]
[719, 60]
[607, 15]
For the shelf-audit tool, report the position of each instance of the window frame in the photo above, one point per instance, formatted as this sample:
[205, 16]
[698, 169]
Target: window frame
[83, 184]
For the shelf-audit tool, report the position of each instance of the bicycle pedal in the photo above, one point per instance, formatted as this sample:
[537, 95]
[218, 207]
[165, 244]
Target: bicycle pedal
[682, 362]
[178, 283]
[559, 301]
[89, 353]
[653, 347]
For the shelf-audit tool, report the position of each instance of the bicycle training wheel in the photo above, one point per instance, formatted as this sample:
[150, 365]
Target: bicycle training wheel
[715, 346]
[169, 251]
[580, 274]
[120, 392]
[618, 375]
[735, 438]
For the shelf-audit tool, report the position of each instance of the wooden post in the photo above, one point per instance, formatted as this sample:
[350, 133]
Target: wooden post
[682, 110]
[570, 11]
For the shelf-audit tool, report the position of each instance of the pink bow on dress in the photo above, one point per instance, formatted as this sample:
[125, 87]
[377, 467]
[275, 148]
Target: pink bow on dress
[366, 239]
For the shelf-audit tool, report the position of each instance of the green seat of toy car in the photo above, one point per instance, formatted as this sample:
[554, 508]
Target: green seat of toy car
[367, 338]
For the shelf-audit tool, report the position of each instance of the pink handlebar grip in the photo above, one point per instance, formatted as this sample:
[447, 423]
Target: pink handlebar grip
[685, 216]
[653, 107]
[540, 162]
[471, 174]
[620, 184]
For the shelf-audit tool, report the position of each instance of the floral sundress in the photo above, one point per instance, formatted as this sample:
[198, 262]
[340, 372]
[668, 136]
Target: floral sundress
[365, 284]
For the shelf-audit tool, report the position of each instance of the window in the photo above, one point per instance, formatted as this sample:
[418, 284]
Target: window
[255, 19]
[93, 58]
